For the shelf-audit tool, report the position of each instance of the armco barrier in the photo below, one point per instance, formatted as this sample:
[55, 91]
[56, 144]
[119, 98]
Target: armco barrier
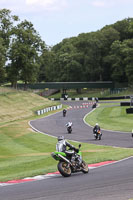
[86, 98]
[43, 111]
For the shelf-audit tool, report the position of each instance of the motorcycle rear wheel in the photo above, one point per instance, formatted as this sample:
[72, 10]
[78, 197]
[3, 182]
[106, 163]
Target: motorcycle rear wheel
[99, 137]
[69, 130]
[85, 168]
[64, 169]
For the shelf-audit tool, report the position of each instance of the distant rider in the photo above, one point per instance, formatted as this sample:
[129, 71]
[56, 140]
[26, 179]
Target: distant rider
[64, 112]
[96, 128]
[69, 124]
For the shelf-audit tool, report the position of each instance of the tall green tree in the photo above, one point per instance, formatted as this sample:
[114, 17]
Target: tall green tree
[123, 27]
[46, 65]
[6, 25]
[106, 36]
[116, 58]
[128, 53]
[65, 64]
[24, 54]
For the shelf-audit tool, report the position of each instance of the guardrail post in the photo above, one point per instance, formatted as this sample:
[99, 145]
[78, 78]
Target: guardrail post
[38, 112]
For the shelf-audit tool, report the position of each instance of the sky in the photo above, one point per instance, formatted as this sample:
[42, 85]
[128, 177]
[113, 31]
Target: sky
[56, 20]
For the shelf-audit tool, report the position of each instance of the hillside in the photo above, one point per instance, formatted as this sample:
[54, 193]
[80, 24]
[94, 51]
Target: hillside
[15, 105]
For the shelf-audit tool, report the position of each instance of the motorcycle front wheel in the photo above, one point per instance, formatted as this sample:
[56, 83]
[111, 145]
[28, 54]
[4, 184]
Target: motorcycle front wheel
[99, 137]
[85, 168]
[65, 169]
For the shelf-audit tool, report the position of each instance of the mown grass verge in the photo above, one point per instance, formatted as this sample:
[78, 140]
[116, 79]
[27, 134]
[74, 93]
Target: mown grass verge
[24, 153]
[111, 118]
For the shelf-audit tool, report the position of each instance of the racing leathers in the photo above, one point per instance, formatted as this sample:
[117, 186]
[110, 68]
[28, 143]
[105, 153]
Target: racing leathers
[96, 129]
[62, 145]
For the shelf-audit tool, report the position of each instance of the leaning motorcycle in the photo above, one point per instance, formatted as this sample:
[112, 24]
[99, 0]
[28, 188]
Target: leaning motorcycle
[97, 134]
[70, 162]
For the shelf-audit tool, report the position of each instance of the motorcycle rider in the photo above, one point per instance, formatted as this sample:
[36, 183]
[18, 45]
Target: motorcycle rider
[69, 126]
[64, 112]
[96, 128]
[62, 145]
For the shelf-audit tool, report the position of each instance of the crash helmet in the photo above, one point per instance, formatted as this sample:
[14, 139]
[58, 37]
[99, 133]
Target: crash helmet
[60, 138]
[97, 124]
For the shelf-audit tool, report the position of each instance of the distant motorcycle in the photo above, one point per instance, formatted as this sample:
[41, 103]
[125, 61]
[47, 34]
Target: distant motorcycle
[94, 105]
[70, 162]
[64, 112]
[97, 134]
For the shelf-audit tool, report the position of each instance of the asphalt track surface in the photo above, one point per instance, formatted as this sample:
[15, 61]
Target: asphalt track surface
[55, 125]
[111, 182]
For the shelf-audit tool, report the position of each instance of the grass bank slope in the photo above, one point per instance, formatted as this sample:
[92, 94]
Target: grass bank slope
[16, 105]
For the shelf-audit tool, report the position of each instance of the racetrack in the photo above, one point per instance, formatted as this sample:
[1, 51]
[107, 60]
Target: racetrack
[55, 125]
[111, 182]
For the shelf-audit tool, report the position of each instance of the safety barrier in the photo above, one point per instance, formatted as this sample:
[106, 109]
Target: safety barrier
[87, 98]
[70, 99]
[51, 108]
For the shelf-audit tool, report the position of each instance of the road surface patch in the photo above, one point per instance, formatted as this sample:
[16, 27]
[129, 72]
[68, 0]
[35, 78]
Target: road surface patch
[49, 175]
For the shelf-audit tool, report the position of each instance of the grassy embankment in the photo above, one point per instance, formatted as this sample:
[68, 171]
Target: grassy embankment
[26, 153]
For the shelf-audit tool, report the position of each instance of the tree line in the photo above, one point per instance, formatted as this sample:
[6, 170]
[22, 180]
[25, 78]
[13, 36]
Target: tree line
[104, 55]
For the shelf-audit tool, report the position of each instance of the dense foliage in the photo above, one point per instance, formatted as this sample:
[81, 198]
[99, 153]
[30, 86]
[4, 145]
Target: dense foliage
[104, 55]
[20, 49]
